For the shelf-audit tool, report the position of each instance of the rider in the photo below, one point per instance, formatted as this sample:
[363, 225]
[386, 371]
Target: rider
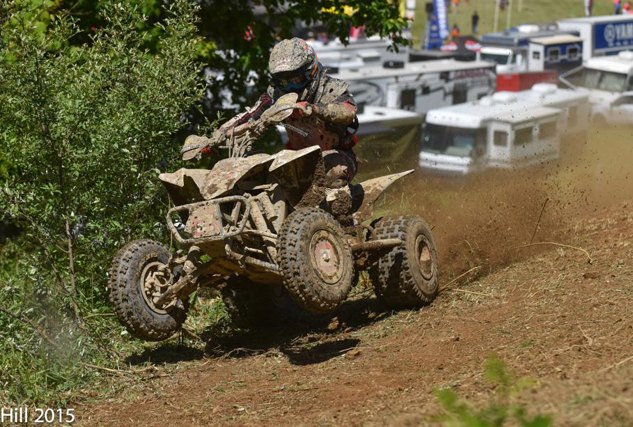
[326, 115]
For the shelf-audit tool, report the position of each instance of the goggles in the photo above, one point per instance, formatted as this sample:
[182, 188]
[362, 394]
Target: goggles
[293, 81]
[290, 82]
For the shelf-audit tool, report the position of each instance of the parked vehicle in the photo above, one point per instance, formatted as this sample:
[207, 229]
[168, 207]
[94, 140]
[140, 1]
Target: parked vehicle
[420, 86]
[559, 53]
[605, 80]
[266, 231]
[602, 35]
[574, 106]
[516, 82]
[506, 130]
[509, 49]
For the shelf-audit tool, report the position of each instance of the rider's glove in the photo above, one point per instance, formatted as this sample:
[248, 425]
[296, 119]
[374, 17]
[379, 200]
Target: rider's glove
[302, 109]
[208, 151]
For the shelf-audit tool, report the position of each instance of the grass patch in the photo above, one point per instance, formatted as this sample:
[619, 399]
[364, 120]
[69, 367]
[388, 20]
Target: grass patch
[519, 12]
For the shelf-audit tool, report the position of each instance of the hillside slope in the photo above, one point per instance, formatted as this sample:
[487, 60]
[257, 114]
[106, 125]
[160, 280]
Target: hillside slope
[557, 312]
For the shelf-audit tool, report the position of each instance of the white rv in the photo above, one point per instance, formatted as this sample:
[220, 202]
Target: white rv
[502, 131]
[574, 106]
[421, 86]
[605, 79]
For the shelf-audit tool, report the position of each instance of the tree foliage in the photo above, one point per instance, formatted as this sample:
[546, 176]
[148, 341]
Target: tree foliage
[86, 129]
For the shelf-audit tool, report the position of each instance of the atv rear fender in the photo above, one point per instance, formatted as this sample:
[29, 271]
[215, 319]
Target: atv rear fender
[369, 191]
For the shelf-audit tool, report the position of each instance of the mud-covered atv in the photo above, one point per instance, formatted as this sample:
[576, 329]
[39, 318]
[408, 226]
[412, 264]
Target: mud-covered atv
[268, 233]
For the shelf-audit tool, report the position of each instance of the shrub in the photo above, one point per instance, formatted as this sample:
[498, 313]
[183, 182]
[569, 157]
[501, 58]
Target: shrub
[86, 129]
[501, 409]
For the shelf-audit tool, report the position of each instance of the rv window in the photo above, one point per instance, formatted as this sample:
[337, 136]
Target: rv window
[613, 82]
[497, 58]
[553, 54]
[536, 55]
[572, 53]
[407, 99]
[596, 79]
[452, 141]
[460, 93]
[630, 83]
[547, 130]
[523, 136]
[500, 138]
[586, 78]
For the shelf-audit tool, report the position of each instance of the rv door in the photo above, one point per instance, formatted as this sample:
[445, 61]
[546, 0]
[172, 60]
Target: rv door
[499, 144]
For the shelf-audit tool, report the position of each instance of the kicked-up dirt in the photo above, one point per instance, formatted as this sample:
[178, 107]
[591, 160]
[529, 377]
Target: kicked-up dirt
[536, 269]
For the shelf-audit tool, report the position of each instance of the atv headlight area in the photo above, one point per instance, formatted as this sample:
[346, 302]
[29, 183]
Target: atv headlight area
[209, 221]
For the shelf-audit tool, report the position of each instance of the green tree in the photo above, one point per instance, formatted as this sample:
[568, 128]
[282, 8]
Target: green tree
[86, 129]
[235, 36]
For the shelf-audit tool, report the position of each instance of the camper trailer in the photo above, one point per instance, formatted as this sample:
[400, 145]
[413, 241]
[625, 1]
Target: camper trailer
[605, 80]
[420, 86]
[502, 131]
[560, 53]
[509, 49]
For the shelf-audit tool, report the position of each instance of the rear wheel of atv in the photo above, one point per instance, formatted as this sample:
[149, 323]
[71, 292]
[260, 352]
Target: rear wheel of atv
[315, 260]
[252, 305]
[406, 277]
[138, 276]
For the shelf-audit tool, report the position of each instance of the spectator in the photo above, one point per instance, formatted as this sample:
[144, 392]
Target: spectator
[627, 7]
[455, 32]
[474, 20]
[617, 7]
[588, 7]
[455, 5]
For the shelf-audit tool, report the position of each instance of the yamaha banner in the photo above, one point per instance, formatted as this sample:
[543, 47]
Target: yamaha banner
[613, 36]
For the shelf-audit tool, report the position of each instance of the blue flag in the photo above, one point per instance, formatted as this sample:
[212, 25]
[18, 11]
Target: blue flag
[439, 10]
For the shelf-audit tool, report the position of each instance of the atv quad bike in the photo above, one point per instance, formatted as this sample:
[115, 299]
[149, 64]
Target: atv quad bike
[267, 232]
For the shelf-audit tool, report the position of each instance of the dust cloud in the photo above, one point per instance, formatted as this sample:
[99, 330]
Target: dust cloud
[488, 220]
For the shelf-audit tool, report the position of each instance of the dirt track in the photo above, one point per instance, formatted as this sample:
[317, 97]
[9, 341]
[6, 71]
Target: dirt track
[544, 309]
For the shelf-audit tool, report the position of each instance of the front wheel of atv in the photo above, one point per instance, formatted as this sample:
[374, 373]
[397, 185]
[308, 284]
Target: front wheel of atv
[138, 276]
[315, 260]
[406, 277]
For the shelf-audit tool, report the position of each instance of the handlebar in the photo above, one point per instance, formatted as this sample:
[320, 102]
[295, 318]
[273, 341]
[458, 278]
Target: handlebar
[239, 139]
